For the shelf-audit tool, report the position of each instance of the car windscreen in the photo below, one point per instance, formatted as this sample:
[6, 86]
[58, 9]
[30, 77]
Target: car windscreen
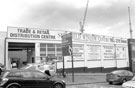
[14, 74]
[4, 74]
[118, 72]
[24, 67]
[30, 67]
[133, 79]
[122, 73]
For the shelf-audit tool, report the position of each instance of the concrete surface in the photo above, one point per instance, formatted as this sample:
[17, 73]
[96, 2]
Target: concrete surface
[84, 78]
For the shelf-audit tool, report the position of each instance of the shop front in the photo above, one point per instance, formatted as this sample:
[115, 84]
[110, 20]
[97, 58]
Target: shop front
[32, 45]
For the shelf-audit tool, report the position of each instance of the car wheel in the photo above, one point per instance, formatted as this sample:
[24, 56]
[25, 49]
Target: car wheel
[58, 86]
[124, 80]
[110, 82]
[13, 86]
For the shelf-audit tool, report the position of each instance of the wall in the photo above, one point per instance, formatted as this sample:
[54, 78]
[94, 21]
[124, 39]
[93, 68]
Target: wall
[2, 47]
[91, 51]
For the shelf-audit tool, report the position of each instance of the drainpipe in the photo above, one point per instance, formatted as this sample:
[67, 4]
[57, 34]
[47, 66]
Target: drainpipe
[115, 55]
[5, 49]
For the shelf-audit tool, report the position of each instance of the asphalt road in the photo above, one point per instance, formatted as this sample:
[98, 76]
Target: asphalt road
[97, 85]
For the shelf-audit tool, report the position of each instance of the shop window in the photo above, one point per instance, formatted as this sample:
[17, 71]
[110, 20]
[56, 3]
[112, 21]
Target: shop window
[58, 50]
[42, 49]
[47, 50]
[51, 45]
[50, 49]
[42, 45]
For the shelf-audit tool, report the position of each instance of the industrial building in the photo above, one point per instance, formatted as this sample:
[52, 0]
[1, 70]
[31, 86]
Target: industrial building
[91, 53]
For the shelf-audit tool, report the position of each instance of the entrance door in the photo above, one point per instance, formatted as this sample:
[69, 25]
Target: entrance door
[21, 53]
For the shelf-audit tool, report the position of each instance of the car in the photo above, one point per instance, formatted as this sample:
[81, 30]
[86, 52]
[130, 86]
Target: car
[19, 78]
[119, 76]
[41, 67]
[129, 84]
[2, 68]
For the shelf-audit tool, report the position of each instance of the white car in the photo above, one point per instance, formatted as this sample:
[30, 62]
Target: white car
[41, 67]
[129, 84]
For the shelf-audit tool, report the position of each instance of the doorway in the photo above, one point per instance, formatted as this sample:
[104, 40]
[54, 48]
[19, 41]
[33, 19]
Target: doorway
[20, 54]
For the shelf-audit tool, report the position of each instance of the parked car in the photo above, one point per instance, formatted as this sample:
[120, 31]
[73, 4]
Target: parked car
[119, 76]
[29, 79]
[41, 67]
[129, 84]
[2, 68]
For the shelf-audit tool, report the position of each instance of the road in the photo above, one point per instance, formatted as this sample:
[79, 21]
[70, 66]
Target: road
[98, 85]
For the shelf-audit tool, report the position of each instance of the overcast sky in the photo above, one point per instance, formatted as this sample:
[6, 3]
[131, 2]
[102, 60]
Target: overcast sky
[104, 17]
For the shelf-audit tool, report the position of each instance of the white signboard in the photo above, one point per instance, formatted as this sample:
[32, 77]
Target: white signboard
[78, 51]
[120, 52]
[34, 33]
[94, 52]
[98, 39]
[108, 52]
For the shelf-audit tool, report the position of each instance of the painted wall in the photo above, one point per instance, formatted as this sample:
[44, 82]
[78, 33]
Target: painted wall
[2, 46]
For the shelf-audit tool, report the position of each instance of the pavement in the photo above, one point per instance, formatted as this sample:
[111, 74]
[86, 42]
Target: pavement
[84, 78]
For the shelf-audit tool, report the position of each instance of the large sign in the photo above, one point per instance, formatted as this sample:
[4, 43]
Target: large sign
[78, 51]
[121, 52]
[94, 52]
[108, 52]
[98, 39]
[34, 33]
[67, 44]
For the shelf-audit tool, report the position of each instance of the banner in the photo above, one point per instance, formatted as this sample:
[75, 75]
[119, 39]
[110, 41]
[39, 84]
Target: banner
[94, 52]
[108, 52]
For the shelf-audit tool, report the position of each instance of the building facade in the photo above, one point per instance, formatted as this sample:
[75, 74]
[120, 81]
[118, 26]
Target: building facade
[91, 53]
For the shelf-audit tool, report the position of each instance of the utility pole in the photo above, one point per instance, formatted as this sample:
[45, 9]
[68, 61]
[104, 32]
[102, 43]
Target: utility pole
[130, 25]
[83, 22]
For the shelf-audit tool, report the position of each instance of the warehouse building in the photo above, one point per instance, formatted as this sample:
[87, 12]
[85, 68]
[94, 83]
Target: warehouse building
[91, 53]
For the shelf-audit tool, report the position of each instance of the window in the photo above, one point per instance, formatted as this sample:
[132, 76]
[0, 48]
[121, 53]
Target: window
[26, 74]
[43, 49]
[50, 49]
[14, 74]
[58, 50]
[39, 75]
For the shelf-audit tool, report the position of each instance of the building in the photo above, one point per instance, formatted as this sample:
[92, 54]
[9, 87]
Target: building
[91, 53]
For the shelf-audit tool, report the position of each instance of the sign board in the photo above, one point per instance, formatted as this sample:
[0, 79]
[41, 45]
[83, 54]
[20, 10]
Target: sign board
[108, 52]
[94, 52]
[33, 33]
[67, 44]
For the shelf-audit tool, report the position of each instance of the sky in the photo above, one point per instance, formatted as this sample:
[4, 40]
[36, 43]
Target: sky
[104, 17]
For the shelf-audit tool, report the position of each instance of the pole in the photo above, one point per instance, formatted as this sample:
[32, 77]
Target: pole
[130, 26]
[72, 66]
[63, 71]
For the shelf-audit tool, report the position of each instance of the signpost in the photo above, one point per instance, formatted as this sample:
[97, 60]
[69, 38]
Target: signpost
[66, 44]
[67, 50]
